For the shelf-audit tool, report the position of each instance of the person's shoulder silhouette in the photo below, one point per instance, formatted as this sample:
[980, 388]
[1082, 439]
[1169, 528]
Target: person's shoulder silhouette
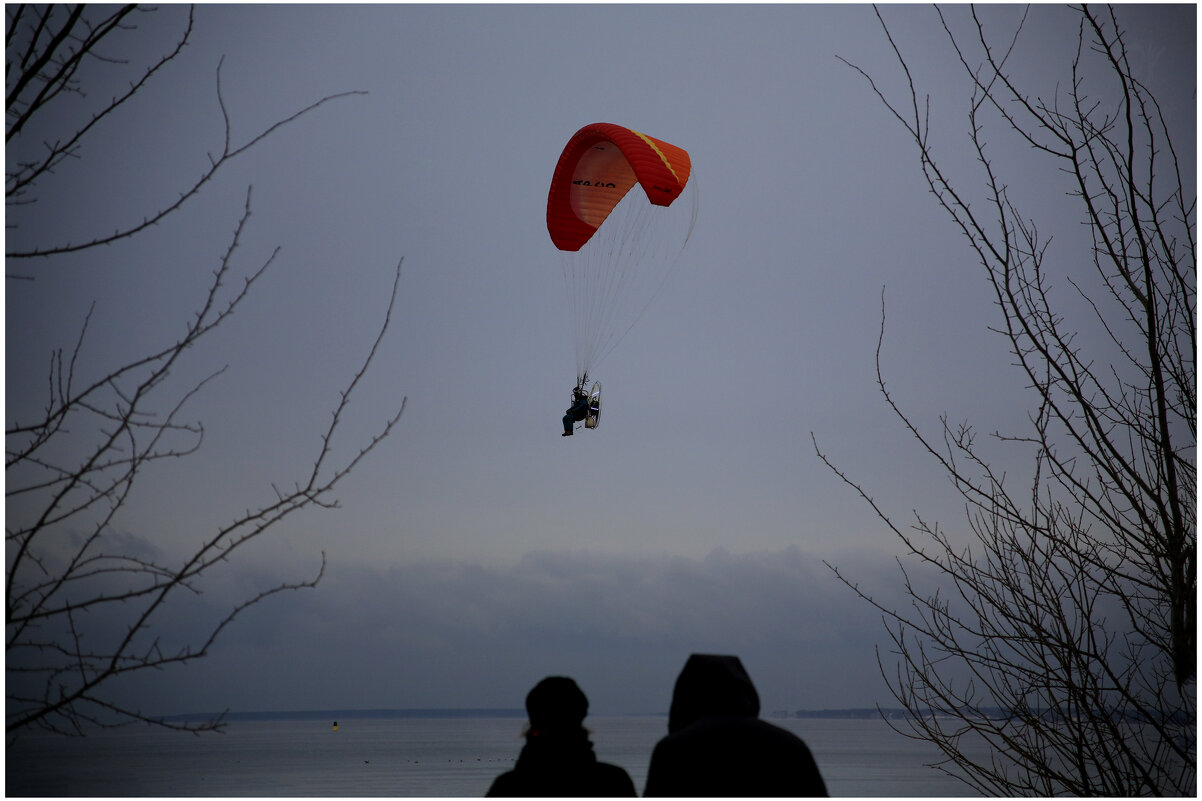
[717, 745]
[558, 758]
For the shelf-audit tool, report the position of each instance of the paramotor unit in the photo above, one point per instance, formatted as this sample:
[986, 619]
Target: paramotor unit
[586, 407]
[593, 416]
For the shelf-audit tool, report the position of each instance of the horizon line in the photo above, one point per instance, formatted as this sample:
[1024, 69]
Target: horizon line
[465, 712]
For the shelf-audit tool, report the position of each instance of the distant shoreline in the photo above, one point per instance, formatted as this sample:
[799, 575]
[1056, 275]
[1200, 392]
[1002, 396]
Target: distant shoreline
[347, 714]
[333, 715]
[360, 714]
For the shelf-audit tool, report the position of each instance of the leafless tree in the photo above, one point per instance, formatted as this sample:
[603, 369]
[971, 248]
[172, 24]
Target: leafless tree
[82, 611]
[1060, 626]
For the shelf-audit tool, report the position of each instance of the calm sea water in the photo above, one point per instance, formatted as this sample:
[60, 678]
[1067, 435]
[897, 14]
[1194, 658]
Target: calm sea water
[415, 757]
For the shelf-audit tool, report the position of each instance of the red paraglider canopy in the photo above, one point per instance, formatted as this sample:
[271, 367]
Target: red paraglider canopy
[598, 166]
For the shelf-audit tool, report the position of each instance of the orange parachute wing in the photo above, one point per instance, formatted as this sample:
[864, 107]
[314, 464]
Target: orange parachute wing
[598, 166]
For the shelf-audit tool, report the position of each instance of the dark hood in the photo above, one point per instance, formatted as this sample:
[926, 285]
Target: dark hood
[712, 685]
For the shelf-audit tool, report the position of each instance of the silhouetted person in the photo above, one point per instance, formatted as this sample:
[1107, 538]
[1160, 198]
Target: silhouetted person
[558, 759]
[718, 746]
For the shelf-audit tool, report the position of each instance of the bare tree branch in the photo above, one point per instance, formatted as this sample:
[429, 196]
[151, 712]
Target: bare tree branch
[83, 608]
[1060, 625]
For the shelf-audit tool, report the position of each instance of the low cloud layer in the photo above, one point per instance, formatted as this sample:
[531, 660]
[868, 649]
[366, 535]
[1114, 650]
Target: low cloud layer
[462, 634]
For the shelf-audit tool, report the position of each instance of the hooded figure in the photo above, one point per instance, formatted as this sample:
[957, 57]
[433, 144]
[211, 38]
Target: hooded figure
[558, 759]
[718, 746]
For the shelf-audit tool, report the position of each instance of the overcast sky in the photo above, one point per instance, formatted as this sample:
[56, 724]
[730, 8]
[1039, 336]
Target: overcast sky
[477, 550]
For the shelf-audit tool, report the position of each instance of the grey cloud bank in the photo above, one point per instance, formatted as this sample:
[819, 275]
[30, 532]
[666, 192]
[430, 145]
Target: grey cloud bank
[462, 634]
